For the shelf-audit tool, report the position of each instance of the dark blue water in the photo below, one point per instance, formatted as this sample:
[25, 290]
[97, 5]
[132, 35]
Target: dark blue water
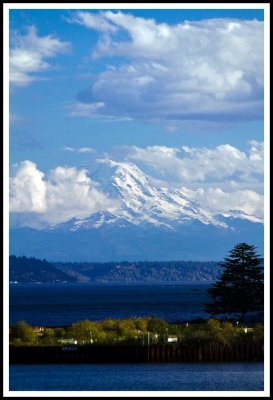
[63, 304]
[54, 305]
[135, 377]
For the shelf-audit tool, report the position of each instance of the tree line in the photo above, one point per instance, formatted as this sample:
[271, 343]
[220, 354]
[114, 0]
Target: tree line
[137, 330]
[29, 269]
[137, 271]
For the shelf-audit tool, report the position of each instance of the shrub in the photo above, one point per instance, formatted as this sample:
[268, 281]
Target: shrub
[22, 332]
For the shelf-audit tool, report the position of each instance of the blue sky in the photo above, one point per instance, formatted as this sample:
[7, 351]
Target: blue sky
[136, 85]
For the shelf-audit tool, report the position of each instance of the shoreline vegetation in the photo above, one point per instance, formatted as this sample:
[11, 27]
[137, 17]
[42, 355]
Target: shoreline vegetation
[239, 290]
[137, 340]
[137, 331]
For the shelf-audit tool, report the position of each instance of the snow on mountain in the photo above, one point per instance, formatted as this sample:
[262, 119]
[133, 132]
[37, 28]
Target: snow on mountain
[151, 223]
[141, 202]
[144, 204]
[241, 215]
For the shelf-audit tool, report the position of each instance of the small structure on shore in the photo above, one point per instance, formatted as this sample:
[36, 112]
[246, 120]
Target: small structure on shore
[171, 339]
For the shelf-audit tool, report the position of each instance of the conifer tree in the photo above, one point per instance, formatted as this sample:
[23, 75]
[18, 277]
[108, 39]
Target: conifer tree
[240, 289]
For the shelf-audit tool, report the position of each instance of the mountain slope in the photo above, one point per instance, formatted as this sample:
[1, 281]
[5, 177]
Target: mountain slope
[150, 223]
[193, 241]
[141, 203]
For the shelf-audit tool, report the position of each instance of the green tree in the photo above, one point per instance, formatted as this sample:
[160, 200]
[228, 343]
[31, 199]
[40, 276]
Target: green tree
[156, 325]
[87, 330]
[49, 337]
[240, 289]
[22, 333]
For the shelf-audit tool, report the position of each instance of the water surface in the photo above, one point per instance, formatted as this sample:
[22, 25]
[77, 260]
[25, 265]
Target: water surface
[136, 377]
[63, 304]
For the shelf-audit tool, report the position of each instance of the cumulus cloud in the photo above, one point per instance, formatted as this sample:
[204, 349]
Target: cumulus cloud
[64, 194]
[246, 201]
[188, 165]
[195, 70]
[27, 189]
[223, 178]
[29, 54]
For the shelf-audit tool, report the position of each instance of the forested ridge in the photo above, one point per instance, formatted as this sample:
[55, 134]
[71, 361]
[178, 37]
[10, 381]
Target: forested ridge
[31, 270]
[23, 269]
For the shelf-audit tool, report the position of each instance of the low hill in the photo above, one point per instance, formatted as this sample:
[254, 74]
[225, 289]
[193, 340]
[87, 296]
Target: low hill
[31, 270]
[143, 271]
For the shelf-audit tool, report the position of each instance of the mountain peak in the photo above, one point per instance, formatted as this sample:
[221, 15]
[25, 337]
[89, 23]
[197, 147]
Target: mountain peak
[122, 169]
[149, 222]
[141, 202]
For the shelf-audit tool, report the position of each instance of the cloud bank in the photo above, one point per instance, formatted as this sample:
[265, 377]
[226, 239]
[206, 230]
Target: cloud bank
[188, 165]
[247, 201]
[209, 70]
[224, 179]
[64, 194]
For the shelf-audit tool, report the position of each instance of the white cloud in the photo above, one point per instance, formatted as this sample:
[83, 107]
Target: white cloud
[92, 21]
[79, 150]
[256, 151]
[247, 201]
[189, 165]
[28, 55]
[94, 111]
[204, 70]
[27, 189]
[84, 110]
[64, 194]
[223, 178]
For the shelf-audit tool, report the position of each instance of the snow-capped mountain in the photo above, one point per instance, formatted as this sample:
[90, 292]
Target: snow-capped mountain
[148, 222]
[142, 203]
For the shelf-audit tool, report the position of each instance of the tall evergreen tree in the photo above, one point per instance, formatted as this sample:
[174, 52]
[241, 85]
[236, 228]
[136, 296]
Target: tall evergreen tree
[240, 289]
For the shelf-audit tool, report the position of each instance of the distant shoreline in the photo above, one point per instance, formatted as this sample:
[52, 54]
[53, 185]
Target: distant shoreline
[116, 282]
[30, 269]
